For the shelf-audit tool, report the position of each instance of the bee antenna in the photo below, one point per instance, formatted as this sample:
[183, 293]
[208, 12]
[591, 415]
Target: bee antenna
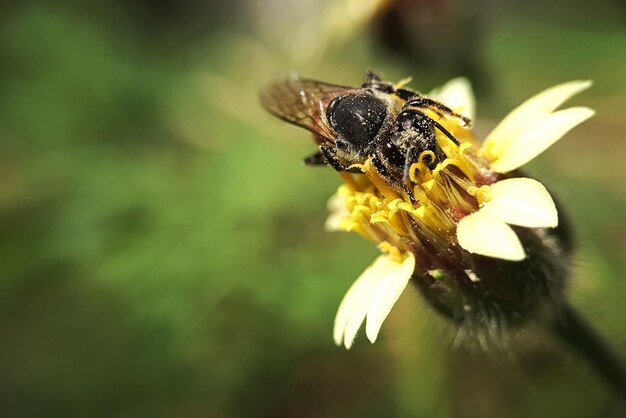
[445, 132]
[428, 103]
[436, 125]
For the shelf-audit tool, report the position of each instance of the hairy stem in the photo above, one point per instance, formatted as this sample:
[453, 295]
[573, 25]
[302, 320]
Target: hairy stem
[579, 335]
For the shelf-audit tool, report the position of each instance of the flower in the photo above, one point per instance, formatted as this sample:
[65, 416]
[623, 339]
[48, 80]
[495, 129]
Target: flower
[483, 241]
[373, 295]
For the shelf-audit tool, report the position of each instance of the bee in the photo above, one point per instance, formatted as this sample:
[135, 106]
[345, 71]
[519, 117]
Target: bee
[378, 121]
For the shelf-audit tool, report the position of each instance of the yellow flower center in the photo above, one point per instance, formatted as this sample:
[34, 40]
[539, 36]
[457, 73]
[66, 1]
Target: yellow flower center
[433, 201]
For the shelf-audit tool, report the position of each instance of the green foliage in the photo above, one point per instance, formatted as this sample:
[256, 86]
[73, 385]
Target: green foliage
[162, 245]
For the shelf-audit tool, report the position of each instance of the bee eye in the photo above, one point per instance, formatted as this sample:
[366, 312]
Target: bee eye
[356, 118]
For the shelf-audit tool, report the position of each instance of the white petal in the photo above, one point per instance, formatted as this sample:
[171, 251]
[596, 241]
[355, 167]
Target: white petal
[528, 112]
[457, 94]
[387, 294]
[338, 212]
[353, 307]
[487, 235]
[538, 137]
[523, 202]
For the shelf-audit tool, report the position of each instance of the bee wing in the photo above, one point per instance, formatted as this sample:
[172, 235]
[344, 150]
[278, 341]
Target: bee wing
[303, 102]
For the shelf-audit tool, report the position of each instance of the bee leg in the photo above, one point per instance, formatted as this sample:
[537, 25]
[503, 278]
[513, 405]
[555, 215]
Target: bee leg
[425, 102]
[378, 164]
[382, 169]
[316, 159]
[371, 77]
[330, 154]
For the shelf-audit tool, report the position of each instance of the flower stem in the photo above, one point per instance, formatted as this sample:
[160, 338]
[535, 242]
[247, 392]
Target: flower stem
[579, 335]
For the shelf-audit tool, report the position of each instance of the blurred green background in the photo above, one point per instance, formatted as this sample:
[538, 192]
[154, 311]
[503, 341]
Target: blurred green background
[162, 251]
